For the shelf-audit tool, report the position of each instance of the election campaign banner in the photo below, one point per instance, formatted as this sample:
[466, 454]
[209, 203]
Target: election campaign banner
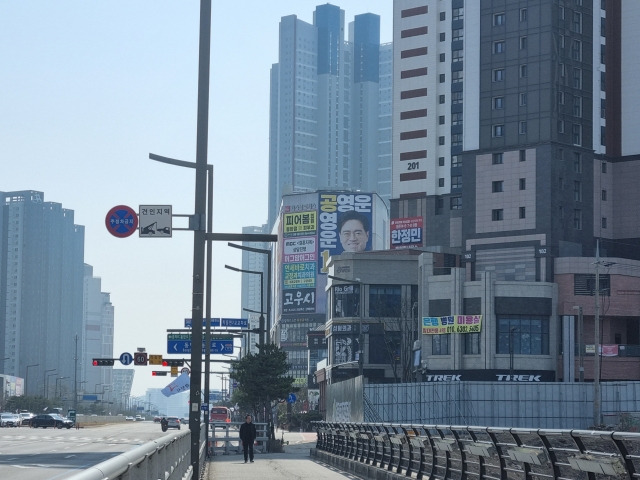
[299, 249]
[180, 384]
[406, 232]
[451, 324]
[300, 223]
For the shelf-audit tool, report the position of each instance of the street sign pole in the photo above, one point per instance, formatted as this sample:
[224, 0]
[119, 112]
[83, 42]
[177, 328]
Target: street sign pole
[199, 234]
[207, 336]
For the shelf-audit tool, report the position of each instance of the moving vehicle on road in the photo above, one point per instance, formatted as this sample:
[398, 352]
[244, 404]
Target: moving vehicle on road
[220, 414]
[173, 422]
[139, 418]
[129, 419]
[51, 420]
[10, 420]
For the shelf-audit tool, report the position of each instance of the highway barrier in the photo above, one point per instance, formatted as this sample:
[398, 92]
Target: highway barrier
[225, 438]
[393, 451]
[168, 457]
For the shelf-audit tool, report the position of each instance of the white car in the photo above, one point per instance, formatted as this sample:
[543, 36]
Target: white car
[139, 418]
[129, 419]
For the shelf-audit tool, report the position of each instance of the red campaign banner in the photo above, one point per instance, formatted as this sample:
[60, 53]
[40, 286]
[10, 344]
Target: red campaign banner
[609, 350]
[406, 232]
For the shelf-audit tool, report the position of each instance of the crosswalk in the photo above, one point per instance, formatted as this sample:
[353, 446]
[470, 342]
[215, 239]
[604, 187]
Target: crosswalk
[112, 440]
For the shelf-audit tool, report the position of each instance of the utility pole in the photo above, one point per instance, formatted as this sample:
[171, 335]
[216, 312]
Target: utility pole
[75, 377]
[596, 363]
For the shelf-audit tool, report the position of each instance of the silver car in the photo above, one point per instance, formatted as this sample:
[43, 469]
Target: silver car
[173, 422]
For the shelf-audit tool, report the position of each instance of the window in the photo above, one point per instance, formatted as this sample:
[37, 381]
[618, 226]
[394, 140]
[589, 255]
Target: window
[603, 108]
[577, 78]
[577, 191]
[578, 2]
[456, 98]
[497, 186]
[442, 16]
[561, 154]
[522, 128]
[562, 70]
[524, 71]
[497, 215]
[523, 184]
[523, 212]
[523, 155]
[523, 14]
[523, 335]
[523, 43]
[561, 13]
[457, 14]
[440, 344]
[385, 301]
[442, 37]
[346, 301]
[442, 57]
[442, 78]
[577, 22]
[577, 134]
[497, 158]
[523, 99]
[441, 140]
[498, 103]
[561, 41]
[560, 98]
[577, 106]
[498, 130]
[498, 19]
[603, 54]
[561, 211]
[441, 182]
[457, 55]
[604, 167]
[585, 284]
[498, 47]
[439, 206]
[456, 139]
[498, 75]
[456, 181]
[441, 99]
[457, 34]
[604, 222]
[560, 126]
[456, 161]
[603, 85]
[456, 77]
[441, 161]
[603, 27]
[577, 219]
[441, 120]
[471, 343]
[576, 50]
[418, 92]
[456, 119]
[456, 203]
[577, 162]
[414, 32]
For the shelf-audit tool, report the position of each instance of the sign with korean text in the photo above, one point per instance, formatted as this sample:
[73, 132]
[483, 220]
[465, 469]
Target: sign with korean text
[221, 322]
[406, 232]
[181, 343]
[299, 249]
[155, 221]
[451, 324]
[299, 300]
[300, 223]
[299, 275]
[155, 359]
[121, 221]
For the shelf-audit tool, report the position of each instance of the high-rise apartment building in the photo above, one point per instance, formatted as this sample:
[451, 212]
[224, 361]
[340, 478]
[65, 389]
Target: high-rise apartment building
[41, 275]
[97, 334]
[122, 379]
[514, 129]
[330, 107]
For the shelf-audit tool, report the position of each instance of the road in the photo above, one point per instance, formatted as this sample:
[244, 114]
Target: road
[48, 454]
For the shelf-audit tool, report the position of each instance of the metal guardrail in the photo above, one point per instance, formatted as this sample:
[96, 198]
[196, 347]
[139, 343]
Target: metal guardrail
[467, 452]
[225, 438]
[166, 458]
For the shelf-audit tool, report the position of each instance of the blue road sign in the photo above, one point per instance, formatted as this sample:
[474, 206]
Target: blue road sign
[181, 343]
[235, 384]
[121, 221]
[222, 322]
[291, 398]
[126, 358]
[204, 407]
[89, 398]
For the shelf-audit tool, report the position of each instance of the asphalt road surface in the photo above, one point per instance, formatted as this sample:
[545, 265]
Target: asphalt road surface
[48, 454]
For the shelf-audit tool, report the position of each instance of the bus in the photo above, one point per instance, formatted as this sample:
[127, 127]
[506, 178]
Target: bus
[220, 414]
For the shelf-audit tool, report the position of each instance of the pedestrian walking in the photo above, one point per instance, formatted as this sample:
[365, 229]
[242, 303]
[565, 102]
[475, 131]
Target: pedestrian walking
[247, 437]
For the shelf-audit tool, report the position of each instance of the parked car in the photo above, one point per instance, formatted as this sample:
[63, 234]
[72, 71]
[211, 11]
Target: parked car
[10, 420]
[51, 420]
[156, 419]
[139, 418]
[26, 418]
[173, 422]
[129, 419]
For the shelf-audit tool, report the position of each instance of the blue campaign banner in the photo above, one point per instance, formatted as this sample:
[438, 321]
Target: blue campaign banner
[90, 398]
[222, 322]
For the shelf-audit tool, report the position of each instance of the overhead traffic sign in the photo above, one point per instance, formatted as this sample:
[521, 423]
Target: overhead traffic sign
[126, 358]
[155, 221]
[155, 359]
[140, 358]
[221, 322]
[181, 343]
[121, 221]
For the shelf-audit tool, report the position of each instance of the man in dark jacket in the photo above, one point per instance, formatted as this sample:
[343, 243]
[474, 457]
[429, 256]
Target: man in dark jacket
[248, 436]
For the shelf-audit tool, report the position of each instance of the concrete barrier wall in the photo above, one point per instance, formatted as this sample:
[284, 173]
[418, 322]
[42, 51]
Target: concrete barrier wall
[88, 420]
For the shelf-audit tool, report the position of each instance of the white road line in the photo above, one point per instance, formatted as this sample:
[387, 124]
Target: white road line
[20, 466]
[69, 456]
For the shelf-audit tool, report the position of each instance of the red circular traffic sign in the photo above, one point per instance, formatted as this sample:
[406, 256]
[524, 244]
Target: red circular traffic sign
[121, 221]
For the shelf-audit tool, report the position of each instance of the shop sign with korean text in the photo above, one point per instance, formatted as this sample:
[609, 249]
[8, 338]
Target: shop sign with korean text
[451, 324]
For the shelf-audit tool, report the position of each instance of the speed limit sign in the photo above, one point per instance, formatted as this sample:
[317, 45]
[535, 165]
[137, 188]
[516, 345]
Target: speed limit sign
[185, 370]
[140, 358]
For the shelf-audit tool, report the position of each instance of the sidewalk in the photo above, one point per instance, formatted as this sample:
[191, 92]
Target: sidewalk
[295, 463]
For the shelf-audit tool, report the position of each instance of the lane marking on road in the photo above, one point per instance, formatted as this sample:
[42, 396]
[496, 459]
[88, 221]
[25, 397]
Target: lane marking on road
[20, 466]
[69, 456]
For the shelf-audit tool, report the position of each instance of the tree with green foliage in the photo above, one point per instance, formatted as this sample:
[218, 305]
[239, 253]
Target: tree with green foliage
[34, 404]
[262, 379]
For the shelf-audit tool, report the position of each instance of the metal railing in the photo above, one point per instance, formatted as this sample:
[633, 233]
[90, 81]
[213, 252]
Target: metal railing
[225, 438]
[466, 452]
[167, 458]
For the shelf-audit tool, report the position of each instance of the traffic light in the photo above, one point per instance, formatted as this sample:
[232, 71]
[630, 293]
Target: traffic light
[157, 373]
[103, 362]
[172, 363]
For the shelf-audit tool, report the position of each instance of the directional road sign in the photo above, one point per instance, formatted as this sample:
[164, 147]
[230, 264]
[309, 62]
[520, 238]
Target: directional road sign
[204, 407]
[181, 343]
[155, 221]
[291, 398]
[155, 359]
[222, 322]
[140, 358]
[126, 358]
[121, 221]
[90, 398]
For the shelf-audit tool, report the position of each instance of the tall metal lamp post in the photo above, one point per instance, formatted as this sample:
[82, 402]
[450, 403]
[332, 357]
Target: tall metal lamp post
[55, 392]
[47, 386]
[262, 326]
[44, 381]
[26, 380]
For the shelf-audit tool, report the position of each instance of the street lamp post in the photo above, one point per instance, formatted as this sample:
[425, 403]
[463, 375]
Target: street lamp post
[47, 386]
[55, 392]
[44, 381]
[262, 325]
[580, 343]
[360, 335]
[26, 380]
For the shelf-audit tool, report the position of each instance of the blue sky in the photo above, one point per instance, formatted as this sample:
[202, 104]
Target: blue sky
[89, 88]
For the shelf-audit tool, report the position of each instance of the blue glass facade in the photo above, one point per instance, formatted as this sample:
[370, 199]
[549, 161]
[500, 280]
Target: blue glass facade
[327, 20]
[366, 48]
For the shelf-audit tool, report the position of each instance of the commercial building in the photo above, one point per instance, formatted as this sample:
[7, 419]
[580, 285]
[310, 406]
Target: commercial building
[330, 112]
[122, 379]
[41, 287]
